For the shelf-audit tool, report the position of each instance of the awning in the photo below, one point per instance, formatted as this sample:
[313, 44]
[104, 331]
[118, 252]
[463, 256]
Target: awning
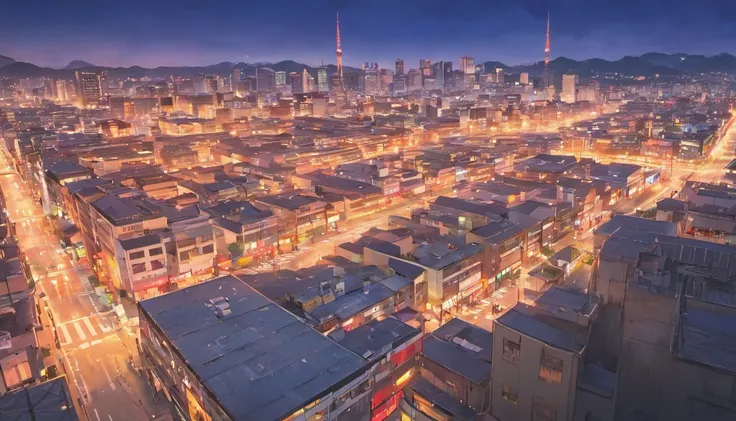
[148, 283]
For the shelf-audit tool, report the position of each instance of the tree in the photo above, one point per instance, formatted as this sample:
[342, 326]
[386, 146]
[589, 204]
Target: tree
[235, 249]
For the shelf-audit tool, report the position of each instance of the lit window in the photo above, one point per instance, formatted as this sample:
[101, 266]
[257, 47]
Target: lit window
[508, 394]
[550, 369]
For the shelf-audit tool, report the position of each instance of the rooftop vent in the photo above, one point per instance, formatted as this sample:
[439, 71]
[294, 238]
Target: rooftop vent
[221, 306]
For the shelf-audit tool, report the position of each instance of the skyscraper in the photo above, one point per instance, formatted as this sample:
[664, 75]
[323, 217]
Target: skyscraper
[306, 81]
[524, 78]
[447, 77]
[438, 71]
[280, 79]
[500, 77]
[322, 85]
[425, 66]
[236, 78]
[297, 82]
[467, 66]
[569, 88]
[265, 79]
[399, 67]
[89, 88]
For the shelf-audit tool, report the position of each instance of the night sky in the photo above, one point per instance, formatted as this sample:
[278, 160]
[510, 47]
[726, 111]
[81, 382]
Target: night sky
[187, 32]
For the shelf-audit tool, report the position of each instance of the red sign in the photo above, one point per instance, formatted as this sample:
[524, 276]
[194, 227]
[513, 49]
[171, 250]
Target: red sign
[149, 283]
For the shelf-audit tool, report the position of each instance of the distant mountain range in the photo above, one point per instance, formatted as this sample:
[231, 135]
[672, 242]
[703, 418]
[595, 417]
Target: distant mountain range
[648, 64]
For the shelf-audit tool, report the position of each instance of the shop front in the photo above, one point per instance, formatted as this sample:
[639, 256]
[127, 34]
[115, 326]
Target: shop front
[151, 287]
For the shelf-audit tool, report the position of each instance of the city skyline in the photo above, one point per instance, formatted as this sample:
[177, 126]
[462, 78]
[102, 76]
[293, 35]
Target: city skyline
[513, 34]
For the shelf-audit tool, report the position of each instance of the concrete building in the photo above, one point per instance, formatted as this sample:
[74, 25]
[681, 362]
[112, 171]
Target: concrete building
[295, 372]
[538, 356]
[89, 87]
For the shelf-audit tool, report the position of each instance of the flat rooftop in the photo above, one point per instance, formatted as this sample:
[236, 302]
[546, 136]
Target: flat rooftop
[709, 337]
[48, 401]
[375, 338]
[545, 327]
[260, 363]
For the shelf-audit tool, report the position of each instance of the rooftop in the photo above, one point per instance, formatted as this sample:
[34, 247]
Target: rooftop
[139, 242]
[542, 326]
[48, 401]
[347, 305]
[463, 333]
[260, 363]
[440, 255]
[457, 358]
[708, 336]
[375, 338]
[441, 399]
[638, 224]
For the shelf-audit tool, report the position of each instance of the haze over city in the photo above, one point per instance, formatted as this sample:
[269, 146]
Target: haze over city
[179, 33]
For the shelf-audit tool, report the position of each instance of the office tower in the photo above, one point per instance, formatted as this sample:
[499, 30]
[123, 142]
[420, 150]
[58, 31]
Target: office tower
[280, 79]
[89, 88]
[399, 85]
[61, 92]
[296, 81]
[399, 67]
[425, 66]
[386, 79]
[236, 78]
[500, 78]
[353, 81]
[265, 79]
[439, 74]
[447, 74]
[200, 85]
[372, 83]
[569, 88]
[467, 67]
[524, 78]
[306, 81]
[322, 85]
[414, 80]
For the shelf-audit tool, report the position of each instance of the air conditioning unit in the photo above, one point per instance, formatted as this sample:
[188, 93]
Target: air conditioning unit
[5, 341]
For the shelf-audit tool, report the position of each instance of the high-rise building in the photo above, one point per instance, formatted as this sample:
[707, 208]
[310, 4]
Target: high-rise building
[438, 71]
[372, 82]
[414, 80]
[265, 79]
[447, 77]
[322, 85]
[307, 82]
[280, 79]
[236, 78]
[500, 77]
[467, 66]
[89, 87]
[386, 79]
[399, 67]
[569, 88]
[296, 81]
[524, 78]
[425, 66]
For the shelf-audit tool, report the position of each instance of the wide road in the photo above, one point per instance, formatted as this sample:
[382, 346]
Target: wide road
[95, 351]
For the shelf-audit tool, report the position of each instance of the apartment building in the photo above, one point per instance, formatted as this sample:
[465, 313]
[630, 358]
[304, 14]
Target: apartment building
[538, 356]
[300, 217]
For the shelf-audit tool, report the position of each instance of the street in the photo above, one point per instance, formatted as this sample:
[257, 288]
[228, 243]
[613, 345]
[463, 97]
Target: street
[95, 352]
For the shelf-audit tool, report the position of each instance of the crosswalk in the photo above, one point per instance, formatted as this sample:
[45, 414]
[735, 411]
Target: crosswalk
[80, 331]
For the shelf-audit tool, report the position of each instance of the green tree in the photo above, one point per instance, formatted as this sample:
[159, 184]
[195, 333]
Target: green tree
[235, 249]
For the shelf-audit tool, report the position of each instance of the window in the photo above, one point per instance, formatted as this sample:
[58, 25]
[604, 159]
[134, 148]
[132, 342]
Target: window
[184, 256]
[510, 395]
[157, 264]
[542, 411]
[139, 268]
[511, 351]
[155, 252]
[137, 255]
[550, 368]
[209, 249]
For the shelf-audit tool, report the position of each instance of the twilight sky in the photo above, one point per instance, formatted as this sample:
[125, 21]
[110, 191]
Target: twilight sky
[193, 32]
